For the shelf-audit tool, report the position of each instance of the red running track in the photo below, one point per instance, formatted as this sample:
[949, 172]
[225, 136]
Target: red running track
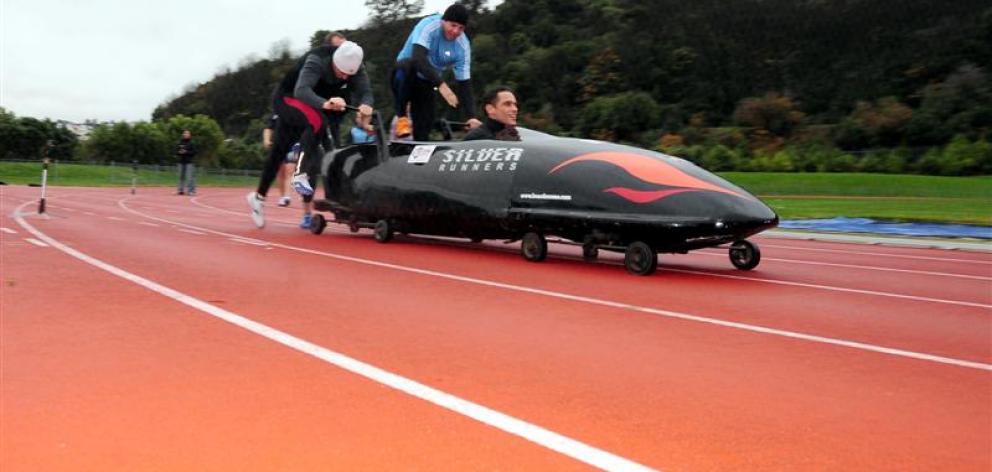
[154, 331]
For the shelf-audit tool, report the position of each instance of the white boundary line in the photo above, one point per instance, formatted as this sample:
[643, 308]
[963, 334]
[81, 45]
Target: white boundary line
[860, 267]
[882, 254]
[618, 305]
[833, 288]
[569, 447]
[752, 279]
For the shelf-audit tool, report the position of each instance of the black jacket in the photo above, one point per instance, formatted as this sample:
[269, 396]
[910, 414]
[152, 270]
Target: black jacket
[186, 151]
[492, 129]
[312, 81]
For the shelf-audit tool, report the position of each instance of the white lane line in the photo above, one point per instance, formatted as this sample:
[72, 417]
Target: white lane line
[8, 230]
[191, 231]
[860, 267]
[621, 305]
[832, 288]
[115, 218]
[35, 242]
[87, 213]
[882, 254]
[146, 223]
[570, 447]
[711, 274]
[252, 242]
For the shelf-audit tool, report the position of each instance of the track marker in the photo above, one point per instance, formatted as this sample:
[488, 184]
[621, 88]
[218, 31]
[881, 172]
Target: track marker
[549, 439]
[8, 230]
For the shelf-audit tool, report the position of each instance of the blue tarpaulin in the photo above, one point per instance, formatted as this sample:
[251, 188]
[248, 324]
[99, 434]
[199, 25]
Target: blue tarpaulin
[866, 225]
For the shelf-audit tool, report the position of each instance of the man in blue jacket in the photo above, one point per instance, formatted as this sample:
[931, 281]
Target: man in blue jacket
[437, 43]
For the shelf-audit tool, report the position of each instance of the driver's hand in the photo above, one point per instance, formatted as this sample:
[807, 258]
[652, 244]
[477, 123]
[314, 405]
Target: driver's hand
[335, 104]
[448, 95]
[473, 123]
[364, 121]
[364, 110]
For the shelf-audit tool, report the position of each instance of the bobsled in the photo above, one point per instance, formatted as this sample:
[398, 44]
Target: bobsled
[595, 194]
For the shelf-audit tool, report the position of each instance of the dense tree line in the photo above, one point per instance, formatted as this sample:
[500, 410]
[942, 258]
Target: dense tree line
[26, 138]
[759, 78]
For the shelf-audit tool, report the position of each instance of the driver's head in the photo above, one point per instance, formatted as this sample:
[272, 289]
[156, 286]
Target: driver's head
[454, 21]
[501, 105]
[347, 59]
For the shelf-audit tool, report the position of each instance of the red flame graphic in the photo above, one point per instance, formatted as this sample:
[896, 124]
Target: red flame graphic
[650, 170]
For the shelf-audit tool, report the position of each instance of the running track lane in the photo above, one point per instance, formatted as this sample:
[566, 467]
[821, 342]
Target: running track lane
[668, 393]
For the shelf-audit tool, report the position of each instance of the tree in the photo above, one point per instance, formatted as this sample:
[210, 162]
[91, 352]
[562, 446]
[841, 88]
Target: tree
[388, 11]
[207, 136]
[110, 142]
[474, 6]
[25, 138]
[619, 117]
[772, 112]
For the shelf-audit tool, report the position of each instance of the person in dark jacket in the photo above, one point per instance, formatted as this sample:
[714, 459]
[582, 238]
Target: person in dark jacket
[437, 42]
[501, 117]
[185, 151]
[317, 84]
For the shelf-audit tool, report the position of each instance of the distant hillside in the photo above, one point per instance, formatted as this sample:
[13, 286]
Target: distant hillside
[690, 59]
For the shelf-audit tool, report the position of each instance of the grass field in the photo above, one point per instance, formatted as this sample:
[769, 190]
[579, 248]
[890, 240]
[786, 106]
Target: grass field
[81, 175]
[965, 200]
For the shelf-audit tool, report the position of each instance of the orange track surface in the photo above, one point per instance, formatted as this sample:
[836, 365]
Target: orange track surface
[100, 373]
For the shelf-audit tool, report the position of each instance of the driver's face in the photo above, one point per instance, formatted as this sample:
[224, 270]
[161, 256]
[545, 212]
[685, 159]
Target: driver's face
[505, 110]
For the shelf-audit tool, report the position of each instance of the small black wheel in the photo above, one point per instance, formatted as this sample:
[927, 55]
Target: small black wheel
[590, 252]
[534, 247]
[383, 231]
[317, 223]
[744, 254]
[640, 259]
[353, 226]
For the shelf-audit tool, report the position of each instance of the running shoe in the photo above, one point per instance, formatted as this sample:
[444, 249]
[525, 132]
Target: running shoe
[305, 224]
[255, 202]
[302, 185]
[403, 127]
[284, 201]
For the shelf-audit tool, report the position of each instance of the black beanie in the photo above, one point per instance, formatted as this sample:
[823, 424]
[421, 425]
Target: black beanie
[456, 13]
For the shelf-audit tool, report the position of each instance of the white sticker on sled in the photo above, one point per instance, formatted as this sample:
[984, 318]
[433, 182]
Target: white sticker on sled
[421, 154]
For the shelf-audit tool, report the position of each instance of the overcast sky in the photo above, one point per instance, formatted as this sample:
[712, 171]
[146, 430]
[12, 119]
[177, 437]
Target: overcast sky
[119, 59]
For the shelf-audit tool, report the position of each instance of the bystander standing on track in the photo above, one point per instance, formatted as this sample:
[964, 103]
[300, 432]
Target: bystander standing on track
[186, 151]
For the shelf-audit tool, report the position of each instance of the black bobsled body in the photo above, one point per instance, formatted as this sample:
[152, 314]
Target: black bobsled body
[589, 192]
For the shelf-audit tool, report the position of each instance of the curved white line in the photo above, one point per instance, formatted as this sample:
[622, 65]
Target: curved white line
[533, 433]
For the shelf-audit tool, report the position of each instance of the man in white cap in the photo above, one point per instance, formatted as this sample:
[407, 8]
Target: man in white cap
[317, 84]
